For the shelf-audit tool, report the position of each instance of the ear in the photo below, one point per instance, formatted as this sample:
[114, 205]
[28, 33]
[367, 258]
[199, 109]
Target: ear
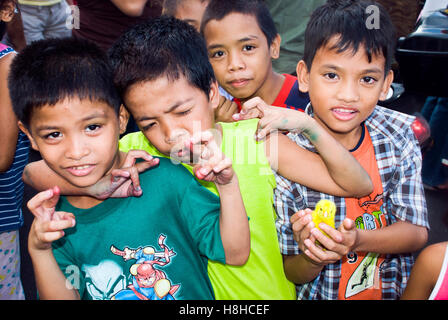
[7, 13]
[213, 95]
[28, 134]
[275, 47]
[386, 85]
[303, 76]
[123, 118]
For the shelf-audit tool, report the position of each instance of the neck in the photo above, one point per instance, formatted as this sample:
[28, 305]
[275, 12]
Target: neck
[83, 202]
[270, 89]
[347, 139]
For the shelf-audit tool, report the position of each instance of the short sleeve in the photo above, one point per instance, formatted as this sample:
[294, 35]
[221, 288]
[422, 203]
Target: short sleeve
[201, 210]
[408, 201]
[286, 203]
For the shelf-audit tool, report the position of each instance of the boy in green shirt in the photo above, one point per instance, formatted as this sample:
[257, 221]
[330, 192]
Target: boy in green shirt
[153, 247]
[165, 78]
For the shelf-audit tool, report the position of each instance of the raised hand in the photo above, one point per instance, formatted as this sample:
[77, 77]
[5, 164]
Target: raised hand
[48, 224]
[272, 118]
[212, 164]
[225, 110]
[329, 248]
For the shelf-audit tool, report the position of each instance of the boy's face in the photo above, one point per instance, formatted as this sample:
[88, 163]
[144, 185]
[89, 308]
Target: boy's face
[78, 139]
[169, 112]
[344, 88]
[191, 11]
[240, 54]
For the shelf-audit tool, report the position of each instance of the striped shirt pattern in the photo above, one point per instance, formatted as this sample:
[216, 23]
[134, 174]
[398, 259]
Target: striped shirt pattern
[39, 2]
[11, 188]
[399, 163]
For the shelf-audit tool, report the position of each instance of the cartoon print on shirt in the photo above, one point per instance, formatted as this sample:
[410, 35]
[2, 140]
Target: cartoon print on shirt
[148, 282]
[104, 280]
[367, 272]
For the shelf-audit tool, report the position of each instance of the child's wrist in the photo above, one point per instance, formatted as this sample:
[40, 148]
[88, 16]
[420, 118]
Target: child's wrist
[36, 251]
[310, 129]
[314, 265]
[231, 185]
[356, 244]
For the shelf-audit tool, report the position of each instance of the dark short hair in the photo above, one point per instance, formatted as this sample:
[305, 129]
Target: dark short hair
[164, 46]
[218, 9]
[349, 19]
[48, 71]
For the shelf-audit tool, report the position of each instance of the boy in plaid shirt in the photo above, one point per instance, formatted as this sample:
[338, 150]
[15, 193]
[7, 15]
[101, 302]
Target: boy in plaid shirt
[349, 46]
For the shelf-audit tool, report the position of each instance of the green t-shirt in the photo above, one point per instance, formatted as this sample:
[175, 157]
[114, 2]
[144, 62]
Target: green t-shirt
[156, 246]
[262, 277]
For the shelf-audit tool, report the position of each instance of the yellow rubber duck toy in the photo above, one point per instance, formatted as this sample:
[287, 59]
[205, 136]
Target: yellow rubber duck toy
[324, 212]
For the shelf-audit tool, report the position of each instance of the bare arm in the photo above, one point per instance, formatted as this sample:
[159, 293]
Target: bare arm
[8, 120]
[133, 8]
[119, 183]
[425, 272]
[334, 170]
[50, 281]
[48, 226]
[234, 225]
[299, 269]
[398, 237]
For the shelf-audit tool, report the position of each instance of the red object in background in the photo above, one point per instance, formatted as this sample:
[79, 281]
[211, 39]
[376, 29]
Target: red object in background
[421, 129]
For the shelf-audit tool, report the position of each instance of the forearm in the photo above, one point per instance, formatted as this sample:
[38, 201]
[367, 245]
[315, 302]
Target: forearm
[50, 281]
[234, 225]
[399, 237]
[309, 169]
[39, 176]
[299, 269]
[8, 120]
[343, 168]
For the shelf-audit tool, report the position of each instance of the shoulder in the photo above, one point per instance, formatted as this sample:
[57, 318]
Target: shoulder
[250, 124]
[393, 128]
[137, 141]
[389, 122]
[431, 258]
[132, 139]
[434, 252]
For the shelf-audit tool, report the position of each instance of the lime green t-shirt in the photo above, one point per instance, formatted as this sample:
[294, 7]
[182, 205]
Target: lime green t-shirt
[262, 277]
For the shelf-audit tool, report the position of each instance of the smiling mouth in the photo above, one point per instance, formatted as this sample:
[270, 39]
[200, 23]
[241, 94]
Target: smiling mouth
[81, 171]
[344, 114]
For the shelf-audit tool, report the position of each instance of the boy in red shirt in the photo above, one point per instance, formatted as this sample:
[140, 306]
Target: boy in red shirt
[242, 41]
